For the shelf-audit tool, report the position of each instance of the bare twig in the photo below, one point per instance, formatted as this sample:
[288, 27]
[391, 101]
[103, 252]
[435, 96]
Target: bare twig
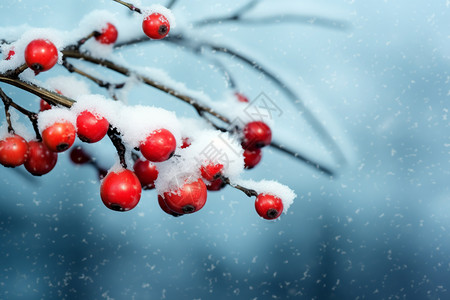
[31, 115]
[127, 72]
[248, 192]
[130, 6]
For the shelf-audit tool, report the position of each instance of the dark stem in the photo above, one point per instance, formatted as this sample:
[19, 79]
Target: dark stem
[127, 72]
[85, 39]
[292, 96]
[47, 95]
[130, 6]
[7, 102]
[16, 72]
[114, 136]
[248, 192]
[31, 115]
[303, 158]
[99, 82]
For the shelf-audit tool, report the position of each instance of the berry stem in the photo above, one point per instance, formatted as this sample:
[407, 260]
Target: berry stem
[248, 192]
[114, 136]
[31, 115]
[130, 6]
[16, 72]
[86, 38]
[7, 102]
[104, 84]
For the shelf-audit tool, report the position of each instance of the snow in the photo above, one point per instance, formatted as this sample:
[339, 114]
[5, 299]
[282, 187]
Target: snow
[69, 86]
[270, 187]
[55, 115]
[157, 8]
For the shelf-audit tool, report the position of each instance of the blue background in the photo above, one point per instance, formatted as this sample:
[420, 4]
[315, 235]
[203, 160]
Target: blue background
[379, 230]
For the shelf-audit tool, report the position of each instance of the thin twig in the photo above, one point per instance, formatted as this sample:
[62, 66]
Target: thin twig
[248, 192]
[127, 72]
[31, 115]
[171, 4]
[99, 82]
[130, 6]
[7, 103]
[47, 95]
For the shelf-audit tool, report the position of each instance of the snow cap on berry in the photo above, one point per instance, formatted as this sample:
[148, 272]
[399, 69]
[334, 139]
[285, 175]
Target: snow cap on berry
[55, 115]
[97, 105]
[157, 8]
[271, 187]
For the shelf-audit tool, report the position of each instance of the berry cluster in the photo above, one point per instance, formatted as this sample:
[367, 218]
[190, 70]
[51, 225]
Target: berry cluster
[166, 154]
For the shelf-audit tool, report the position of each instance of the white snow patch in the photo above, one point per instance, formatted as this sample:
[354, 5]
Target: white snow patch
[271, 187]
[55, 115]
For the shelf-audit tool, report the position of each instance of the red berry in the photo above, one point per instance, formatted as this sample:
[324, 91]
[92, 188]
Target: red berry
[13, 151]
[215, 185]
[11, 53]
[79, 156]
[41, 55]
[252, 158]
[159, 145]
[211, 171]
[256, 135]
[190, 198]
[156, 26]
[268, 206]
[165, 208]
[109, 34]
[40, 159]
[146, 172]
[241, 97]
[59, 137]
[91, 128]
[121, 190]
[185, 142]
[44, 105]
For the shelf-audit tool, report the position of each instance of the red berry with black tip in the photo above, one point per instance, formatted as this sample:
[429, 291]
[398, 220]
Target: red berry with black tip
[91, 127]
[191, 197]
[215, 185]
[59, 136]
[40, 159]
[156, 26]
[158, 146]
[268, 206]
[13, 151]
[79, 156]
[108, 35]
[120, 191]
[41, 55]
[211, 171]
[165, 208]
[256, 135]
[252, 158]
[146, 172]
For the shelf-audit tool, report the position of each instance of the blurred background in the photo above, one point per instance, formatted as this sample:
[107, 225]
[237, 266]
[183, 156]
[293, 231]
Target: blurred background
[376, 75]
